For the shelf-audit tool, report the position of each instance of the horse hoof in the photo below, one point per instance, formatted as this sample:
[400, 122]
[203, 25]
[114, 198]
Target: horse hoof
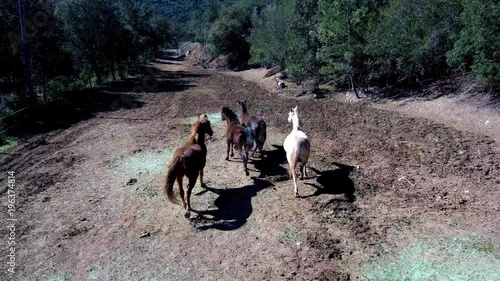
[232, 155]
[247, 173]
[227, 158]
[187, 215]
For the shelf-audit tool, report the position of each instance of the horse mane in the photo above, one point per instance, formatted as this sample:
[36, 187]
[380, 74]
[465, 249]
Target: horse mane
[296, 122]
[195, 128]
[230, 114]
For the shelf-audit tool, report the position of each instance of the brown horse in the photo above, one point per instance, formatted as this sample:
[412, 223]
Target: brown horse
[257, 124]
[237, 135]
[189, 160]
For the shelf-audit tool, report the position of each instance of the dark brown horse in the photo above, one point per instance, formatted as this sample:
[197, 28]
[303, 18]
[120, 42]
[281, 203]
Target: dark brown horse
[257, 124]
[189, 160]
[237, 136]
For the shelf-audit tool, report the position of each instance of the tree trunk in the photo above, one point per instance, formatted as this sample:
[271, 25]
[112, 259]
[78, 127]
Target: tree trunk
[353, 85]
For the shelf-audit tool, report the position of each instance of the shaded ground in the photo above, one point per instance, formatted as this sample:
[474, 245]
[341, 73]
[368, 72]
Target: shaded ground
[90, 206]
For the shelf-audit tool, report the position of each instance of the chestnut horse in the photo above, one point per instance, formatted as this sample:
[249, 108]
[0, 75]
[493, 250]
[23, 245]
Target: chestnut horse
[237, 135]
[297, 148]
[257, 124]
[189, 160]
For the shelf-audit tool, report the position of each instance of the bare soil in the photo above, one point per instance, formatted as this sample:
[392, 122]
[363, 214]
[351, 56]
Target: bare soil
[90, 205]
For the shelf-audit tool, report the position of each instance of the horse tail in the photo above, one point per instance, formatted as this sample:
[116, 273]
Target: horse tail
[261, 134]
[250, 136]
[176, 166]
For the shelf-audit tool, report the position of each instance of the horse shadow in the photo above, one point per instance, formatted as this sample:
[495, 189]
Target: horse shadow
[270, 164]
[334, 182]
[234, 207]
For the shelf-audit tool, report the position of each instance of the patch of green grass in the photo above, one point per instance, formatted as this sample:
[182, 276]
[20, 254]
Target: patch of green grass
[290, 234]
[469, 258]
[213, 117]
[8, 144]
[147, 162]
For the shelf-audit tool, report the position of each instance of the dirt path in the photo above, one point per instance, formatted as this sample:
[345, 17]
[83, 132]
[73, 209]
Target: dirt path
[89, 205]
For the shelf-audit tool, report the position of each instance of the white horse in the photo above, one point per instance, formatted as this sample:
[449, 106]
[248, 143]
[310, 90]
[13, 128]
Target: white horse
[297, 149]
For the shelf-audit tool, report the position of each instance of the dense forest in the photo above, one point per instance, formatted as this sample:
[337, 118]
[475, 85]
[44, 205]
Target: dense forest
[72, 45]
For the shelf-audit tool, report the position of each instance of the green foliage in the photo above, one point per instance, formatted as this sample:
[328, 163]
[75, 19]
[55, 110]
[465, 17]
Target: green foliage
[197, 26]
[478, 44]
[73, 43]
[97, 37]
[162, 28]
[271, 33]
[212, 12]
[302, 61]
[7, 143]
[411, 39]
[229, 34]
[342, 32]
[281, 36]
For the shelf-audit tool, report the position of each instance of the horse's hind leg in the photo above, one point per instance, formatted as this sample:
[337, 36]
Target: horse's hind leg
[232, 152]
[293, 165]
[192, 182]
[302, 169]
[201, 177]
[228, 148]
[244, 157]
[181, 191]
[255, 149]
[261, 145]
[294, 177]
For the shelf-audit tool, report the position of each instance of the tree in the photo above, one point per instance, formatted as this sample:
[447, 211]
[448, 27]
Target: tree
[229, 34]
[342, 33]
[282, 35]
[94, 35]
[411, 39]
[271, 33]
[301, 60]
[477, 46]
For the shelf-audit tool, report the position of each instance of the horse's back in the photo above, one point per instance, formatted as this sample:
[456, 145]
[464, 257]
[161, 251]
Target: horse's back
[194, 156]
[236, 133]
[297, 140]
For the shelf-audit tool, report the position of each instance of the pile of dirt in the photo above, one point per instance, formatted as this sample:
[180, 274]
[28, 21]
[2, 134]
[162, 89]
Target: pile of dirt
[198, 54]
[219, 63]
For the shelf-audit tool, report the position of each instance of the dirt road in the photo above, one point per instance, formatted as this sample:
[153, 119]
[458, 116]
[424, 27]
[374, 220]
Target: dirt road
[89, 205]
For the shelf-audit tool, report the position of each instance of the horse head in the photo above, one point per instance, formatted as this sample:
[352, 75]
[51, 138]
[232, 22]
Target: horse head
[228, 114]
[293, 113]
[205, 126]
[243, 105]
[223, 113]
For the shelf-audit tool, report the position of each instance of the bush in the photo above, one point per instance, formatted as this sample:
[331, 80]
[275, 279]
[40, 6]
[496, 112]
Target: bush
[7, 105]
